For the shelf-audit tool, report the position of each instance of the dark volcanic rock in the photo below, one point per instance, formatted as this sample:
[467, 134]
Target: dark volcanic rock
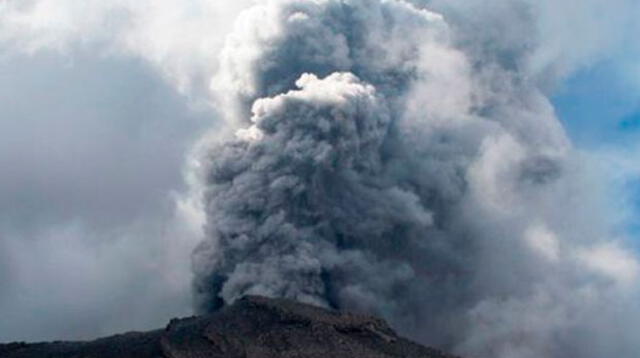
[254, 327]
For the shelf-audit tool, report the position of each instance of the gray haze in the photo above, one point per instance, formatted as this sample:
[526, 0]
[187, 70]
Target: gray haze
[92, 151]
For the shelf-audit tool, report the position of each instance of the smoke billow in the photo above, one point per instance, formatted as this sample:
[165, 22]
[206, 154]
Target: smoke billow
[388, 160]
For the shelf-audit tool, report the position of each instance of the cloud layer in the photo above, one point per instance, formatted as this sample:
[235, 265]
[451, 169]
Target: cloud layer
[92, 151]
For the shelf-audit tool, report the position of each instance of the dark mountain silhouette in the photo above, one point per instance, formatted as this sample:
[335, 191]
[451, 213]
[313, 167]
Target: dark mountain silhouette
[253, 327]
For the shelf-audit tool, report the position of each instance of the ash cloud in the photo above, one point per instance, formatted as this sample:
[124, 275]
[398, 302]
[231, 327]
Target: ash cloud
[385, 158]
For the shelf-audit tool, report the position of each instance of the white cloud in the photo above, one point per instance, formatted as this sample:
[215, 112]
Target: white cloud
[614, 262]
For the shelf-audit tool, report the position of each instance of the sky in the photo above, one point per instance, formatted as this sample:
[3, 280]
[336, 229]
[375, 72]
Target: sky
[103, 102]
[599, 106]
[600, 109]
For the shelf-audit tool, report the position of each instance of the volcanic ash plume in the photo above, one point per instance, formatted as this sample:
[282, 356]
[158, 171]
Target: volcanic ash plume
[380, 163]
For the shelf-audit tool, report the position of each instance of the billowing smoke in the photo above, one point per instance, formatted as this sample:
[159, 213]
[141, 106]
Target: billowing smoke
[387, 159]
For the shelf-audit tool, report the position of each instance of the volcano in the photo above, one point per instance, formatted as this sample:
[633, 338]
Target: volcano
[253, 327]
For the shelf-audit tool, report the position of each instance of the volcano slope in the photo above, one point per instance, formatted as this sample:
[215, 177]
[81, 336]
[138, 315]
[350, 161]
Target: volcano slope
[253, 327]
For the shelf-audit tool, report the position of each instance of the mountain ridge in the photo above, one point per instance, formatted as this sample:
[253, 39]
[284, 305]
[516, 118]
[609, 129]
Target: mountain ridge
[253, 327]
